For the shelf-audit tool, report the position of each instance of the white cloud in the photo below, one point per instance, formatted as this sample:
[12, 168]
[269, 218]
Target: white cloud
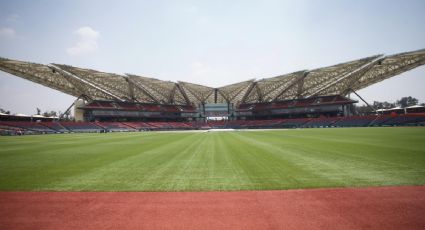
[6, 32]
[200, 69]
[190, 9]
[203, 21]
[87, 42]
[13, 18]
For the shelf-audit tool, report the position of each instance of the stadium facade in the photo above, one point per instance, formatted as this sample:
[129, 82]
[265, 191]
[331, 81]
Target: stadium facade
[312, 93]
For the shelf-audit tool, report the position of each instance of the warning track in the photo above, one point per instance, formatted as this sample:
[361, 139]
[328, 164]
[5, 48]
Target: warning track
[375, 208]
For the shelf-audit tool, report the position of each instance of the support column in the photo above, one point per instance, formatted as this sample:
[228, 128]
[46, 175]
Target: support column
[79, 113]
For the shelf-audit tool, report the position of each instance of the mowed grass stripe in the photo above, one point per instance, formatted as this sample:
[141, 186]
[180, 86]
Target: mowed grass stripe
[76, 167]
[214, 161]
[324, 167]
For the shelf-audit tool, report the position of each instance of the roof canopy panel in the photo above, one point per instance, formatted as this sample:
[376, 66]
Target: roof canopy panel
[234, 93]
[390, 66]
[320, 79]
[198, 94]
[113, 84]
[338, 79]
[41, 74]
[165, 92]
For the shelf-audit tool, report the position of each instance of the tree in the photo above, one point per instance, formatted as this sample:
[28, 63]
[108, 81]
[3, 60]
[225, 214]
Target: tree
[422, 104]
[407, 101]
[50, 114]
[65, 116]
[362, 109]
[38, 111]
[383, 105]
[4, 111]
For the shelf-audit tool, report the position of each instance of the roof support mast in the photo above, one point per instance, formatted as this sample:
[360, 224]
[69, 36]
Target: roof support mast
[368, 105]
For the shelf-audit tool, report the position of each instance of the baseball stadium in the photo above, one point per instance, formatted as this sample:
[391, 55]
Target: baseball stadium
[276, 153]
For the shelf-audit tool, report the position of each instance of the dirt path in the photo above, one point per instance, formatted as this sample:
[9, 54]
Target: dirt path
[366, 208]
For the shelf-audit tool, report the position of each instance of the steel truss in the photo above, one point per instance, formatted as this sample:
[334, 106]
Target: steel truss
[340, 79]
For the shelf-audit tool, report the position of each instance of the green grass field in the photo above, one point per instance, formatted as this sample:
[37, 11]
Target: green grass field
[204, 161]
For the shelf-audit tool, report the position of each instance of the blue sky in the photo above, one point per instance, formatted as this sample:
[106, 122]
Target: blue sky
[207, 42]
